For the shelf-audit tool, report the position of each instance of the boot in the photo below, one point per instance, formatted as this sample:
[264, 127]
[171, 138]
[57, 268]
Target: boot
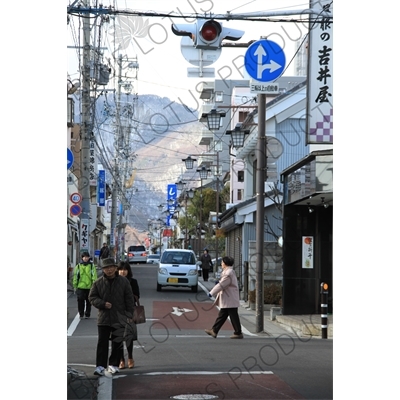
[131, 363]
[122, 364]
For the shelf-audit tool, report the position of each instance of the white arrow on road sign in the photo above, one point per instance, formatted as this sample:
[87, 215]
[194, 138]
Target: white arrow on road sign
[180, 311]
[70, 158]
[272, 66]
[265, 61]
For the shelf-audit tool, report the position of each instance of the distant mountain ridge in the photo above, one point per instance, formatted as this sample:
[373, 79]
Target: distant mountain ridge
[163, 133]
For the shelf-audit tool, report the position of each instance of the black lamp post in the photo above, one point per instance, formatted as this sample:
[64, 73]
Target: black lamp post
[180, 185]
[188, 195]
[238, 135]
[189, 161]
[160, 208]
[203, 172]
[214, 118]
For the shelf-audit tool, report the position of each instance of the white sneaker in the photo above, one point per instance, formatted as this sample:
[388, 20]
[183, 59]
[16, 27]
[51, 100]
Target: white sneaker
[112, 369]
[99, 371]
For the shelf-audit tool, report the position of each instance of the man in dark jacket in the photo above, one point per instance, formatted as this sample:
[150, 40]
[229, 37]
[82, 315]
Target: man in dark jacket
[112, 295]
[206, 264]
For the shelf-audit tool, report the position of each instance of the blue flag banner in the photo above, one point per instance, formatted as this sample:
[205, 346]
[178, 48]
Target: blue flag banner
[101, 188]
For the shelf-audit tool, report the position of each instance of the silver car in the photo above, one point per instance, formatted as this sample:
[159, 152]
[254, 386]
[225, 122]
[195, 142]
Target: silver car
[137, 254]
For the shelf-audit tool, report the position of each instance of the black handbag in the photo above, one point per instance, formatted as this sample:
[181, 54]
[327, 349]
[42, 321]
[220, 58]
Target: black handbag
[139, 316]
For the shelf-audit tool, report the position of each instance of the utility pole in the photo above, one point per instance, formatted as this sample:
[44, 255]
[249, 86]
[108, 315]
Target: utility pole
[114, 199]
[85, 133]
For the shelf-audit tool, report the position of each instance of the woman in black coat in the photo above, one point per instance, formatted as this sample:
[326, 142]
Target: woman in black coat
[124, 269]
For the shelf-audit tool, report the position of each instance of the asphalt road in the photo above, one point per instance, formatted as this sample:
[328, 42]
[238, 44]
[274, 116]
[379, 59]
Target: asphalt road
[174, 358]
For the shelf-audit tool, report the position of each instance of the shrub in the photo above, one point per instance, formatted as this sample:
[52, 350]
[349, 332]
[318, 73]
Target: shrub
[273, 293]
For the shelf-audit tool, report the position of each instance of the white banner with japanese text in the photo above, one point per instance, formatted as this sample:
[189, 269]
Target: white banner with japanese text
[308, 252]
[319, 129]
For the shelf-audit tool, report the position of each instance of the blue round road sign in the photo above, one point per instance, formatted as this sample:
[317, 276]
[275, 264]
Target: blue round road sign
[75, 209]
[265, 61]
[70, 158]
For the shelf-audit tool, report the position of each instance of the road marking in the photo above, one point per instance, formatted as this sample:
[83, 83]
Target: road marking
[104, 390]
[208, 373]
[73, 325]
[180, 311]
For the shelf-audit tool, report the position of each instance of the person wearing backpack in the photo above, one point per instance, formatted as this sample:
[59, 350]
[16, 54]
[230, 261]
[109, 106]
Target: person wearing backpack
[84, 276]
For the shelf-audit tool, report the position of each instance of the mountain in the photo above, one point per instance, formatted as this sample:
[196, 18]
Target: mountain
[159, 134]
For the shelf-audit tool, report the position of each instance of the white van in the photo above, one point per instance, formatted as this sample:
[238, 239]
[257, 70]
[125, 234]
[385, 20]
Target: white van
[178, 267]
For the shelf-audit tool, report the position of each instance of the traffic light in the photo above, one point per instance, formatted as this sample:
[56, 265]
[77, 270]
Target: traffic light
[207, 34]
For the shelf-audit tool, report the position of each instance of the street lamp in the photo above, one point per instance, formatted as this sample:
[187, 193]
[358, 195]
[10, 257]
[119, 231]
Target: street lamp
[238, 135]
[180, 185]
[189, 161]
[203, 172]
[214, 119]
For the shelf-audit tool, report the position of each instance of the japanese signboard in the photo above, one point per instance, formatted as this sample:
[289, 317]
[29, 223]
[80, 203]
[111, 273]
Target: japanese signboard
[261, 87]
[308, 252]
[320, 77]
[92, 165]
[101, 188]
[84, 234]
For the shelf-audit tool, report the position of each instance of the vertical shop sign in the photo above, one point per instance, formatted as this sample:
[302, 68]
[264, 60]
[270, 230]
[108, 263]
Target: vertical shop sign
[308, 252]
[101, 188]
[92, 165]
[84, 234]
[320, 77]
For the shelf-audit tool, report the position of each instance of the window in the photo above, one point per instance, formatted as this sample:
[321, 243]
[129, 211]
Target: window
[240, 194]
[240, 176]
[243, 115]
[219, 97]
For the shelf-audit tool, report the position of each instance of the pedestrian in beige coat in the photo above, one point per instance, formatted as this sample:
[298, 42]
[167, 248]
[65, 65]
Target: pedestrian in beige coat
[227, 299]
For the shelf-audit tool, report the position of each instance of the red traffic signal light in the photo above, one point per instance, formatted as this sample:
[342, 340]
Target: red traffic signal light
[207, 34]
[210, 30]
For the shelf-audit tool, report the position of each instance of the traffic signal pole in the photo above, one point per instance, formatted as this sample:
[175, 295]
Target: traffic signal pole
[260, 189]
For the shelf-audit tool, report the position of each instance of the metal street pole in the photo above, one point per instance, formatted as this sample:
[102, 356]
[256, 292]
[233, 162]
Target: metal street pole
[201, 214]
[186, 222]
[260, 189]
[217, 212]
[114, 199]
[86, 132]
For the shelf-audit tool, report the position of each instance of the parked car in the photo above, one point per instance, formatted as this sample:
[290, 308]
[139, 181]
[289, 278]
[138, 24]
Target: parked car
[137, 254]
[178, 267]
[153, 259]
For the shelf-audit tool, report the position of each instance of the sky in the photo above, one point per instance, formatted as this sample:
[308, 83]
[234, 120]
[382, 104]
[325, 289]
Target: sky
[163, 68]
